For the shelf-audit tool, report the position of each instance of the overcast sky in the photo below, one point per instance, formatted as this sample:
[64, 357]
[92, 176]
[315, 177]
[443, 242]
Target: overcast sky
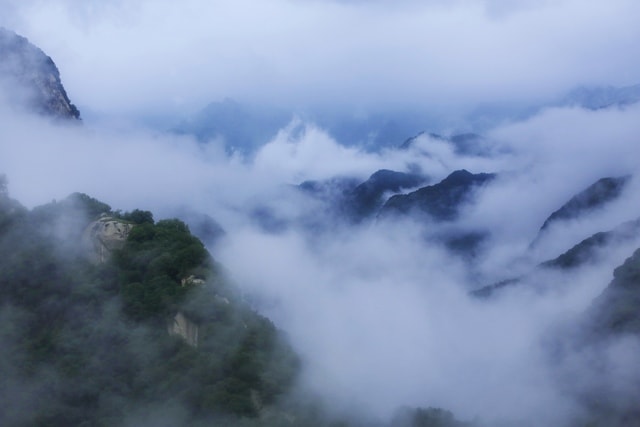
[161, 56]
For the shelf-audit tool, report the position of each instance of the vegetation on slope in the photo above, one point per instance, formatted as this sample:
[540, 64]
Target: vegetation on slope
[87, 344]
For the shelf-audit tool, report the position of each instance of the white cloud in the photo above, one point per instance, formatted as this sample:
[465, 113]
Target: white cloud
[119, 57]
[381, 318]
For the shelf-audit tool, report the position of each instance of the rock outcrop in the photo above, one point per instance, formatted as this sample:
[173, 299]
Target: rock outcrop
[183, 327]
[104, 236]
[30, 80]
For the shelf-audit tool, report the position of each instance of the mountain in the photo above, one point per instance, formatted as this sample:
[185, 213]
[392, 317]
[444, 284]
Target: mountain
[441, 201]
[113, 318]
[368, 197]
[105, 314]
[608, 343]
[30, 80]
[594, 98]
[374, 130]
[242, 128]
[487, 116]
[587, 251]
[466, 144]
[594, 197]
[246, 128]
[616, 309]
[351, 200]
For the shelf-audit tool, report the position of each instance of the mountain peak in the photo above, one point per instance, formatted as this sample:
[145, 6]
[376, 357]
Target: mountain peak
[29, 79]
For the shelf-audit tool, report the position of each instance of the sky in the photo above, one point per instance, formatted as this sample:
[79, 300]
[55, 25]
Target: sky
[162, 57]
[381, 318]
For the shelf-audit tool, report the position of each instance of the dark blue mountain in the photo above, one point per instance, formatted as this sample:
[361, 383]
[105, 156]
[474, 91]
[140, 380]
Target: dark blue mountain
[587, 251]
[355, 201]
[594, 197]
[367, 198]
[440, 201]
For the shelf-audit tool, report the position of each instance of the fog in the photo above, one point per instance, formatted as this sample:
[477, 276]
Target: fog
[379, 311]
[381, 317]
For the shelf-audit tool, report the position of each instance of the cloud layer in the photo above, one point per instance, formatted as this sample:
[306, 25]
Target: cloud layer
[381, 317]
[154, 57]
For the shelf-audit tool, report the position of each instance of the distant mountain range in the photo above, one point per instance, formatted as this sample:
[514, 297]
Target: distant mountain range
[595, 98]
[246, 128]
[594, 198]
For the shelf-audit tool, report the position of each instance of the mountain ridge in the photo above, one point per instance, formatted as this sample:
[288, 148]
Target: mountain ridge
[31, 80]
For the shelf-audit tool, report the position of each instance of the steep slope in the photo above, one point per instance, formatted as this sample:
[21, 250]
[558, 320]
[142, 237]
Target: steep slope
[367, 198]
[30, 80]
[587, 251]
[594, 197]
[352, 200]
[440, 201]
[608, 344]
[617, 309]
[86, 343]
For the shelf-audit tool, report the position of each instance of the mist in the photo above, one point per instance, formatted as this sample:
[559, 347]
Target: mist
[381, 316]
[380, 311]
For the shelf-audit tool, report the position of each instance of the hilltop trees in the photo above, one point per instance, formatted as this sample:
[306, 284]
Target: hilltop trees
[88, 343]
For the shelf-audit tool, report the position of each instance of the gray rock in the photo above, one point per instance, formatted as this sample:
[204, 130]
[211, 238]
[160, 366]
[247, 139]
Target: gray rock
[104, 236]
[30, 80]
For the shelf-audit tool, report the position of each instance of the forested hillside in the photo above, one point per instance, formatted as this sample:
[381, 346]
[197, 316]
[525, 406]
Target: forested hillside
[99, 343]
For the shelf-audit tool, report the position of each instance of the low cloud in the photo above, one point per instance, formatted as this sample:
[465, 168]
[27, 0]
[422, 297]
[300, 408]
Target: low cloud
[381, 317]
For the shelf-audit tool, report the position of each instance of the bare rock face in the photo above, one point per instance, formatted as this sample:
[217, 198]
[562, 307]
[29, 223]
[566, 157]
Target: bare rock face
[29, 79]
[181, 326]
[104, 236]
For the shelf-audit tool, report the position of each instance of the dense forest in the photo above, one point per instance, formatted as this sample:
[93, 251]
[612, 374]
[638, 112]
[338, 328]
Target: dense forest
[87, 343]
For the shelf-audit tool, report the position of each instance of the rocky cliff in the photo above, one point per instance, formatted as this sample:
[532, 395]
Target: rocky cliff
[105, 235]
[30, 80]
[183, 327]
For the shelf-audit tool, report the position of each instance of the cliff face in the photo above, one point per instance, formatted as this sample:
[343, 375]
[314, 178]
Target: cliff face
[29, 79]
[183, 327]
